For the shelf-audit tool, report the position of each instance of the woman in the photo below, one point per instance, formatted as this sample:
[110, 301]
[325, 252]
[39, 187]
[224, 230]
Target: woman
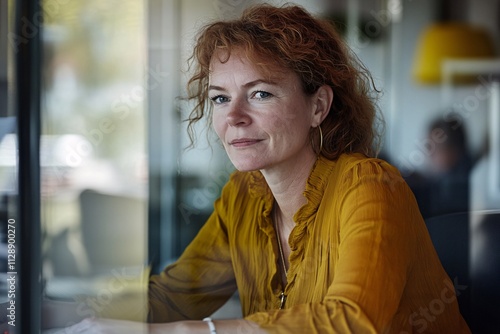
[316, 236]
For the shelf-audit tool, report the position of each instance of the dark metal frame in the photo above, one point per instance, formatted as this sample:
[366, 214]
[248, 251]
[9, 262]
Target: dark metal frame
[27, 93]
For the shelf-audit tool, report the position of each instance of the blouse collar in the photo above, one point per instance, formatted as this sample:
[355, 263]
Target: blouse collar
[304, 217]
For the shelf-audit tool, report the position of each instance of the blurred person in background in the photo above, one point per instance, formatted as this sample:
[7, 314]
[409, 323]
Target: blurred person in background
[445, 188]
[451, 165]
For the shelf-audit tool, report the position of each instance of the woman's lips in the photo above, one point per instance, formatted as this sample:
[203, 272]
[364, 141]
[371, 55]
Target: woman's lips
[244, 142]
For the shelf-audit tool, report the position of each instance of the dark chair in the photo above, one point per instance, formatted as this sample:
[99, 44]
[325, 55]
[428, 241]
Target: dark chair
[468, 245]
[485, 271]
[113, 230]
[450, 236]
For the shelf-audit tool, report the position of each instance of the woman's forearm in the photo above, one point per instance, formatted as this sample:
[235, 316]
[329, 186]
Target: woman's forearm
[111, 326]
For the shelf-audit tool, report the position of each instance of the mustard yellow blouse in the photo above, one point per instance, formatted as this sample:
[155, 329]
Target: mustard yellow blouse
[361, 261]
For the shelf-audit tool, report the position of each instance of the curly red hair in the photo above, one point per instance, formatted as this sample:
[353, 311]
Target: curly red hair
[289, 38]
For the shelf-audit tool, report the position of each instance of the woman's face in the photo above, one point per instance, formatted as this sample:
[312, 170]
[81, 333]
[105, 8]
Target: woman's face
[262, 121]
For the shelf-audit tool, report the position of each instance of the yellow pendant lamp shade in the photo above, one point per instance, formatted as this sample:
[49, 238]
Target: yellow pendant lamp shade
[449, 41]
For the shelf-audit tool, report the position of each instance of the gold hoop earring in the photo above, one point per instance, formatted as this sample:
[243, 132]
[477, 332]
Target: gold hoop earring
[320, 140]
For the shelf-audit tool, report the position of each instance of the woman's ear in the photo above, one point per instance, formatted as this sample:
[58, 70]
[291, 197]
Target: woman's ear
[323, 102]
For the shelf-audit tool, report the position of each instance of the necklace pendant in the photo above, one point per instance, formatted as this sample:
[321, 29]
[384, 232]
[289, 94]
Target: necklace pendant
[282, 298]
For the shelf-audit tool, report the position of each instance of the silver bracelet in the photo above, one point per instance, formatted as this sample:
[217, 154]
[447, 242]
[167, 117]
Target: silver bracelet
[211, 325]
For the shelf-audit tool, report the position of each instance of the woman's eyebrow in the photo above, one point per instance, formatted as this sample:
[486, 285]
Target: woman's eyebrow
[247, 85]
[258, 81]
[212, 87]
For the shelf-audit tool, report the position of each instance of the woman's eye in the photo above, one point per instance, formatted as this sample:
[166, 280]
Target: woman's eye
[219, 99]
[262, 95]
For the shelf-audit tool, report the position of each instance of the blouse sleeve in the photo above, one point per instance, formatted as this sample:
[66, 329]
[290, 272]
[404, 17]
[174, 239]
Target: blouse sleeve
[200, 281]
[374, 210]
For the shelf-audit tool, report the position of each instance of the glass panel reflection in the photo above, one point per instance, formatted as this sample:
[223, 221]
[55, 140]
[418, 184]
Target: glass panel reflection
[93, 153]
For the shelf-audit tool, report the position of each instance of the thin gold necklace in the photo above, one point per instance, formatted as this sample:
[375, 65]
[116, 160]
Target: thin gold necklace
[282, 295]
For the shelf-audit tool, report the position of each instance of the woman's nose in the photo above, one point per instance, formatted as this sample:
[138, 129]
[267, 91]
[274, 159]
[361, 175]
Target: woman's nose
[238, 114]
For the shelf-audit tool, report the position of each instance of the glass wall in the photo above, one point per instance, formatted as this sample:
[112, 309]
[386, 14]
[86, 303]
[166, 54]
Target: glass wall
[120, 193]
[94, 174]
